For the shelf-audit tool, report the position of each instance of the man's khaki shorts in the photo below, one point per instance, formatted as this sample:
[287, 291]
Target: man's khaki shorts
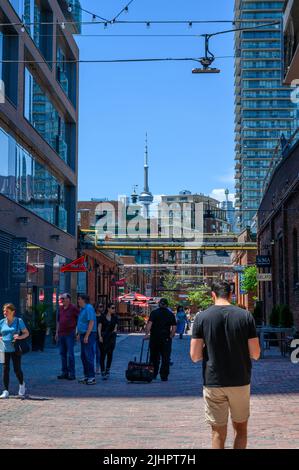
[218, 401]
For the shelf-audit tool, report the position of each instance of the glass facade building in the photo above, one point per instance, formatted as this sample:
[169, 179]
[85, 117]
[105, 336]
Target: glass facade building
[38, 151]
[264, 113]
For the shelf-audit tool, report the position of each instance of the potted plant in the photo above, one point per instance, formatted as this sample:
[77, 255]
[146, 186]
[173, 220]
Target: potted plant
[258, 313]
[274, 321]
[286, 319]
[275, 316]
[51, 324]
[38, 326]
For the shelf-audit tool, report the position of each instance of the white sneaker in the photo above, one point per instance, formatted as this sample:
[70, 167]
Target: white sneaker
[22, 390]
[4, 394]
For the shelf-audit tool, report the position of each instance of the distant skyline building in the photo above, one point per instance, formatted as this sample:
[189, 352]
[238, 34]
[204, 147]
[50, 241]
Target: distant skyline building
[146, 198]
[264, 112]
[229, 208]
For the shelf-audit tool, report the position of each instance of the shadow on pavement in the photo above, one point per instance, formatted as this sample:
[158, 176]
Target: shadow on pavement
[270, 376]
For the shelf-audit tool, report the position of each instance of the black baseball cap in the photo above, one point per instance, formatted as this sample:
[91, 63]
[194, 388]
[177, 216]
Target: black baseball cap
[163, 302]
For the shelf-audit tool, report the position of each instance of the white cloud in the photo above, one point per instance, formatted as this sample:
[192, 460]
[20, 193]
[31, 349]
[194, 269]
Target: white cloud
[219, 194]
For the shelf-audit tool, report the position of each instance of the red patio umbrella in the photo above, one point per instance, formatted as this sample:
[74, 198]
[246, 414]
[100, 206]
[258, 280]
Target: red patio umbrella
[133, 297]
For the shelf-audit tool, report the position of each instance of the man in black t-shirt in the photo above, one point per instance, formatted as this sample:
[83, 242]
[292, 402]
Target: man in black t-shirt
[224, 337]
[160, 330]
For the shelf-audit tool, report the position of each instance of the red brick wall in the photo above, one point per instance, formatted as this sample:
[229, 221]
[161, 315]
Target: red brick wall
[278, 217]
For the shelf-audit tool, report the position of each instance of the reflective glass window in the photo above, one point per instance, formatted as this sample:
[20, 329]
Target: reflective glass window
[24, 180]
[44, 117]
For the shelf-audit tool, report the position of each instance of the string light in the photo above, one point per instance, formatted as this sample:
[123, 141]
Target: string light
[123, 10]
[63, 25]
[114, 21]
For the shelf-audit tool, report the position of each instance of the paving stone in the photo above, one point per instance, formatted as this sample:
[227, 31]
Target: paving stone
[115, 414]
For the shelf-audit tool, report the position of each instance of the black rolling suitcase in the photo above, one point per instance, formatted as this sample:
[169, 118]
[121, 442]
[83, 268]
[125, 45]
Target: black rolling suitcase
[140, 371]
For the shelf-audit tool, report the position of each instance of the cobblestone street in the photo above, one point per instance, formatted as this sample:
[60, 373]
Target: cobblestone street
[115, 414]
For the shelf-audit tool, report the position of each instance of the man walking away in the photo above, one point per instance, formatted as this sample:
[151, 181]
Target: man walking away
[224, 337]
[160, 330]
[66, 336]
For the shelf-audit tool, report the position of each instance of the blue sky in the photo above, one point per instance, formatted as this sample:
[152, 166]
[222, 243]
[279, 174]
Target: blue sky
[189, 118]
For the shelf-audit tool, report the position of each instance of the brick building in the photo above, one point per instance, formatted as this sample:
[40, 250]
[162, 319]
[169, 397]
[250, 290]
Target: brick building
[278, 217]
[103, 267]
[278, 221]
[241, 259]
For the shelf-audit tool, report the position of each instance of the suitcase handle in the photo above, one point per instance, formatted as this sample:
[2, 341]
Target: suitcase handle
[141, 353]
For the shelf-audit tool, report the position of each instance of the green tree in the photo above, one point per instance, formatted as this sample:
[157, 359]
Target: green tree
[249, 282]
[169, 286]
[200, 297]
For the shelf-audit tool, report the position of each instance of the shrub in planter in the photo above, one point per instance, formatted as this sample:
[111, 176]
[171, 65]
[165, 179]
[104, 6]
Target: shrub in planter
[38, 326]
[286, 319]
[258, 313]
[275, 316]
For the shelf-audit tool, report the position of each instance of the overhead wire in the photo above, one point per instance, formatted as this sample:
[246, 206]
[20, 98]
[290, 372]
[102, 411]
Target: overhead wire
[125, 8]
[149, 22]
[139, 59]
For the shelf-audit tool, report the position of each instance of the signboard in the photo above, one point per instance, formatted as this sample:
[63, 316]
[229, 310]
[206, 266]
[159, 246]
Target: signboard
[263, 261]
[76, 266]
[18, 260]
[264, 277]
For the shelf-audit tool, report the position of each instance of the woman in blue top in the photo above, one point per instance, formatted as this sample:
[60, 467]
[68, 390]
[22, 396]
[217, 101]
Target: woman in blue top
[181, 319]
[10, 329]
[87, 333]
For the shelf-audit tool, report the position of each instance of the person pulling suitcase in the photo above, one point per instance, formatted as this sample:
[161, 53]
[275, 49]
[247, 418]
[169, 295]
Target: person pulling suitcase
[160, 330]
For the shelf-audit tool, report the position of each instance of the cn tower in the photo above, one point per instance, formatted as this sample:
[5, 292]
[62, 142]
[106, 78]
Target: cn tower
[146, 197]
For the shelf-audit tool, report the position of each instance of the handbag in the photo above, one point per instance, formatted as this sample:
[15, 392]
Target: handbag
[21, 345]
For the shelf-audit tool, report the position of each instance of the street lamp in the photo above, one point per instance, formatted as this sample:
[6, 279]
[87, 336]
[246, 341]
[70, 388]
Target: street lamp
[207, 60]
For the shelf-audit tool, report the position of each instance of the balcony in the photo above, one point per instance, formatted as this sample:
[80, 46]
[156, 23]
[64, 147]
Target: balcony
[74, 15]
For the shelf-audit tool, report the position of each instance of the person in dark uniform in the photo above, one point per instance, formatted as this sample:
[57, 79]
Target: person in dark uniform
[107, 329]
[160, 330]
